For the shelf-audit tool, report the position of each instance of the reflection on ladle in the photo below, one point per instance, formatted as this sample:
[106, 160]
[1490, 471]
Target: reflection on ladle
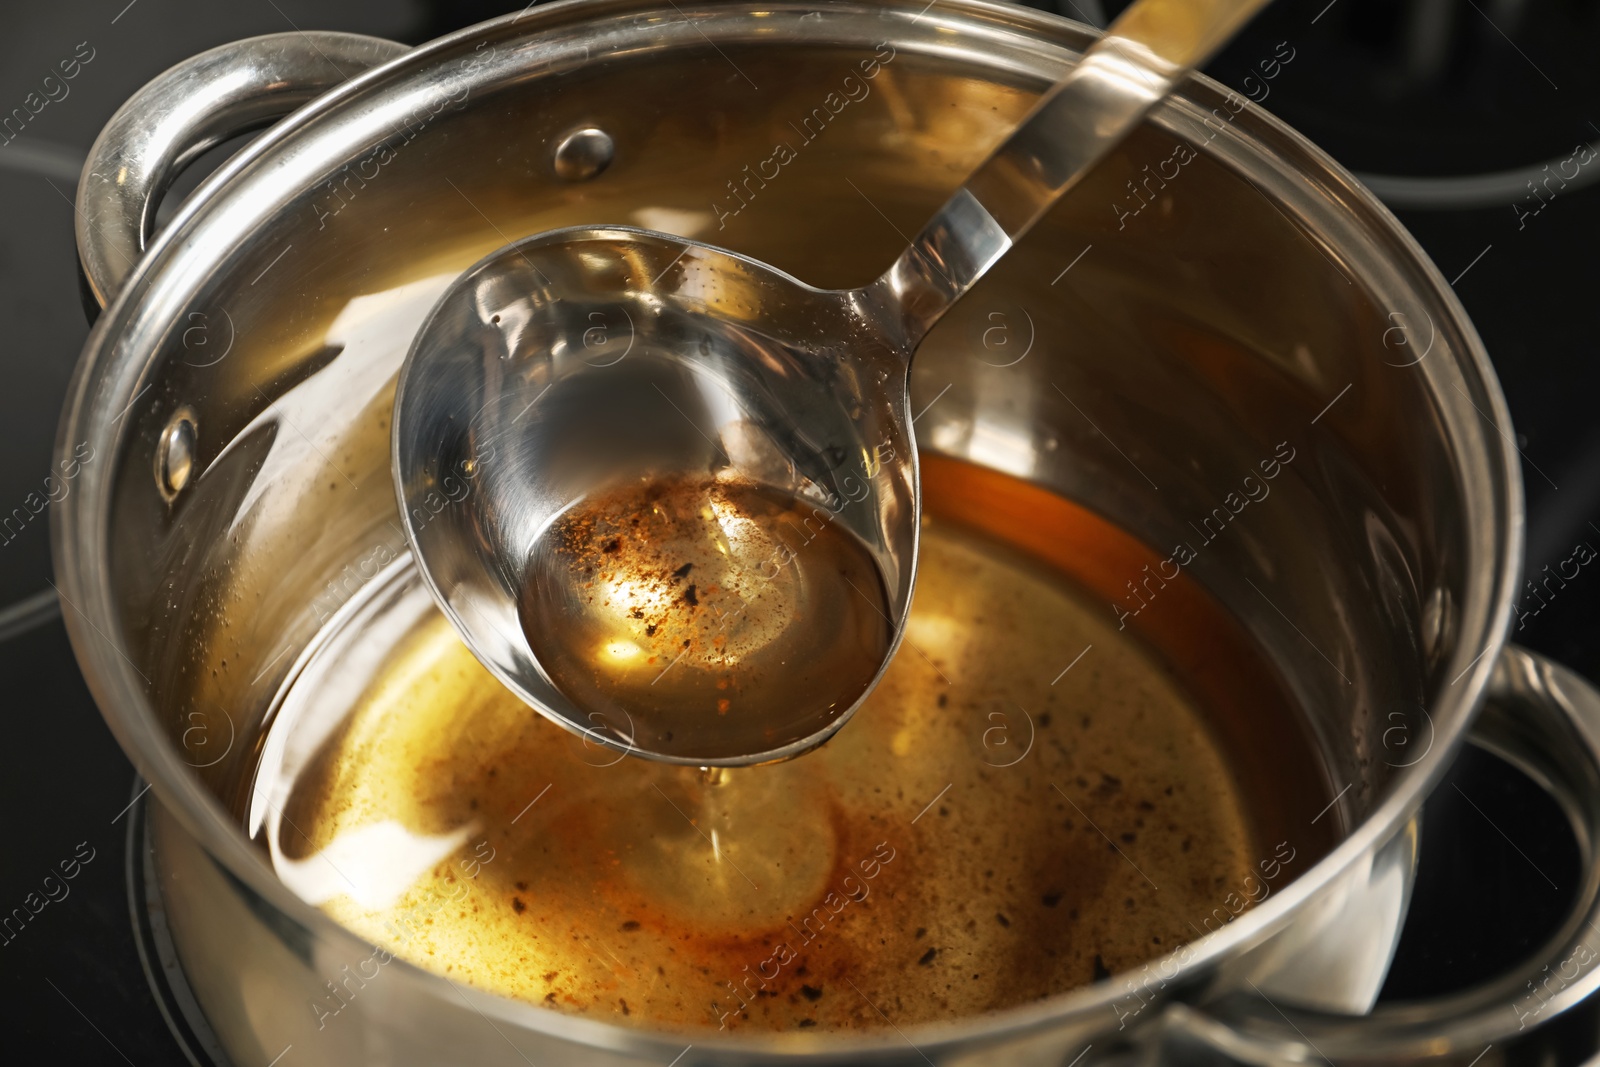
[742, 389]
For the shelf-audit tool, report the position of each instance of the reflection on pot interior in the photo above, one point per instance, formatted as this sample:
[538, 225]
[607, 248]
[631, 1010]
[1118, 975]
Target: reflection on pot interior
[1032, 800]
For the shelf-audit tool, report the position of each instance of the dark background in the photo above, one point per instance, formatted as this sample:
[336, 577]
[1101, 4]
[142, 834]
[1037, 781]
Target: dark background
[1438, 89]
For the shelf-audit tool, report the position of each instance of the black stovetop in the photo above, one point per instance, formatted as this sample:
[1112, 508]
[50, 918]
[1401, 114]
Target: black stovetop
[1390, 88]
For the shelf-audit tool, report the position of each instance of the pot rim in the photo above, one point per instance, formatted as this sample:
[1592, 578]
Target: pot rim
[106, 382]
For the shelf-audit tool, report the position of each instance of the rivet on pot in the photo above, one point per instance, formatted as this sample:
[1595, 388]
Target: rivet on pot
[583, 154]
[175, 453]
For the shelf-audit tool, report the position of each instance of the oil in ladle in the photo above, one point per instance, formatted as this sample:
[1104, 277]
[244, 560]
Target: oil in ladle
[676, 610]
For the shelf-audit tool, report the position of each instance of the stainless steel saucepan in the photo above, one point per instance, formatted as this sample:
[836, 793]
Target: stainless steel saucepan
[1216, 288]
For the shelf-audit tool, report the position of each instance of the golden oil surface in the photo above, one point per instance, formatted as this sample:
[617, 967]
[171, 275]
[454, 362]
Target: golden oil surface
[995, 826]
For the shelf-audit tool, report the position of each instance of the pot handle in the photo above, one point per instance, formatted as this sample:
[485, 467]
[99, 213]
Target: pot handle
[1545, 720]
[196, 105]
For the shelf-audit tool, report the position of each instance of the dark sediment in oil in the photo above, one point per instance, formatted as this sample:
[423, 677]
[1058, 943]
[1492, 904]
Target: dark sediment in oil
[989, 830]
[705, 617]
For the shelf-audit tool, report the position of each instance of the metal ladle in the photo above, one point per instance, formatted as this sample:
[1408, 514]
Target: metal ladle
[667, 461]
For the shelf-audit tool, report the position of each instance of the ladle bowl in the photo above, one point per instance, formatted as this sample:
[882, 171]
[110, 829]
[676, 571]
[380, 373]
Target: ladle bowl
[771, 388]
[692, 361]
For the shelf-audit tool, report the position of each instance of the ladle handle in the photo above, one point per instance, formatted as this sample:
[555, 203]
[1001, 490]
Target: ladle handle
[1149, 49]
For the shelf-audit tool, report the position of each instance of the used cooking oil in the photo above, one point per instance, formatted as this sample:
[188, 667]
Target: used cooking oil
[673, 608]
[1032, 799]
